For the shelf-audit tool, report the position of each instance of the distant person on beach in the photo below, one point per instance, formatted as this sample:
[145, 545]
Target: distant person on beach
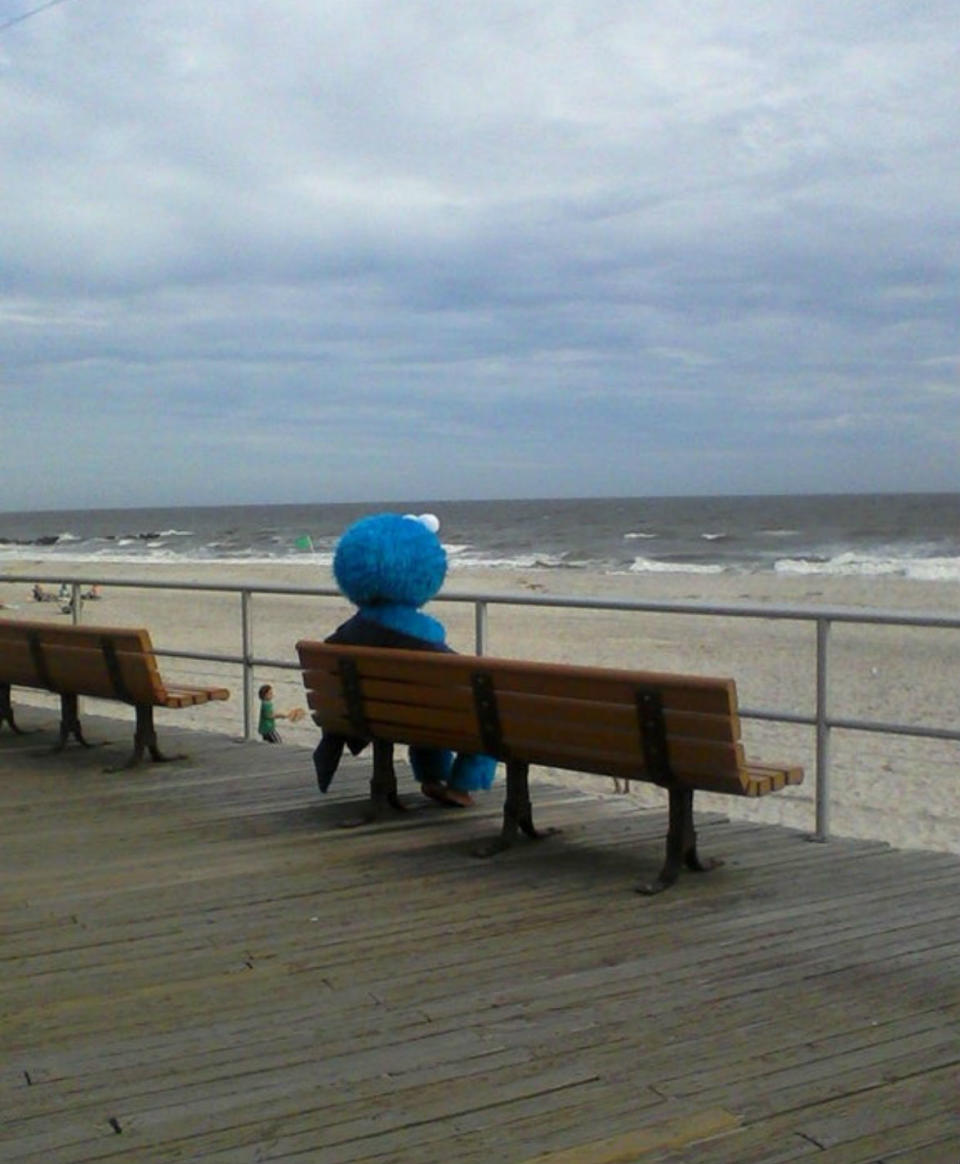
[40, 595]
[267, 727]
[92, 594]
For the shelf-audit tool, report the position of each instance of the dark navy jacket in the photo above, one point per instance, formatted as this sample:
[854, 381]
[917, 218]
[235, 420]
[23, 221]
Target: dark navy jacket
[360, 632]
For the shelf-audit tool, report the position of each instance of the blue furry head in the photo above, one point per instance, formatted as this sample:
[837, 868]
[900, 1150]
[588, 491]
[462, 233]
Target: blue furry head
[389, 560]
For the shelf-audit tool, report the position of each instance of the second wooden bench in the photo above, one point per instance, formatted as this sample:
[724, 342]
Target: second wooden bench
[103, 662]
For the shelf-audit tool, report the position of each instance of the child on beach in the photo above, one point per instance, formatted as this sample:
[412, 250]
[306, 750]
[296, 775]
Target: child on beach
[267, 726]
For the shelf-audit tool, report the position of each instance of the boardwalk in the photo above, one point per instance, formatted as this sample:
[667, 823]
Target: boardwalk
[196, 965]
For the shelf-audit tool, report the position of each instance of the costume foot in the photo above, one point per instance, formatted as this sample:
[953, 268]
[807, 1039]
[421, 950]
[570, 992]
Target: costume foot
[444, 795]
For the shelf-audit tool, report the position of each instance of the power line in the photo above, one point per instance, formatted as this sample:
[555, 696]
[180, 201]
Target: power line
[33, 12]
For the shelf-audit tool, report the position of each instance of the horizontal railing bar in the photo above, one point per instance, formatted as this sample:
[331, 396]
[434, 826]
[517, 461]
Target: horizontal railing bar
[198, 656]
[729, 610]
[777, 716]
[233, 660]
[853, 725]
[895, 729]
[278, 664]
[732, 610]
[176, 584]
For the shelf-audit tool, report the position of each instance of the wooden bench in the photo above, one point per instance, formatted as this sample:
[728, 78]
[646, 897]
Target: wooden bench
[104, 662]
[679, 731]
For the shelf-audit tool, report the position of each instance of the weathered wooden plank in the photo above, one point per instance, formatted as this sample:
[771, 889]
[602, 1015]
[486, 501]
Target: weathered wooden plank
[675, 1132]
[864, 1127]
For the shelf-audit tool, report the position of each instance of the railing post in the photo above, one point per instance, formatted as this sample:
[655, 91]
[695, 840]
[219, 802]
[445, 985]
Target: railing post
[246, 610]
[480, 627]
[823, 735]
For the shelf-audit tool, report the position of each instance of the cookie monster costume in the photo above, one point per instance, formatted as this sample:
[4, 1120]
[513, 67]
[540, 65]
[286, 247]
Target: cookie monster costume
[389, 566]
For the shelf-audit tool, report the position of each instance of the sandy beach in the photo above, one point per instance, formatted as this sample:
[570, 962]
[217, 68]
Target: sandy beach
[900, 789]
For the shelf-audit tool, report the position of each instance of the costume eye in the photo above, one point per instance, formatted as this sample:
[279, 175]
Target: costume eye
[430, 520]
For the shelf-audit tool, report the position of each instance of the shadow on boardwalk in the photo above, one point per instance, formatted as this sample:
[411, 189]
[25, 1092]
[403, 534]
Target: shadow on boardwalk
[197, 965]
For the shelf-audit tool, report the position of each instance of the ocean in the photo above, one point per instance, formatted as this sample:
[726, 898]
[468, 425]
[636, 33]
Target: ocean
[904, 535]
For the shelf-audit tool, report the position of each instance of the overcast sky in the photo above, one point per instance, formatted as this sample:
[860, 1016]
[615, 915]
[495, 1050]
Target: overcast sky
[309, 250]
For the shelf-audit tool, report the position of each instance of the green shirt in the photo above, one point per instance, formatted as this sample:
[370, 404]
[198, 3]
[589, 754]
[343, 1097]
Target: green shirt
[267, 723]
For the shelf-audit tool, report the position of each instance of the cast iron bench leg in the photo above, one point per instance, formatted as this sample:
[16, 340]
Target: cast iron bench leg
[6, 710]
[681, 844]
[517, 813]
[383, 782]
[144, 740]
[384, 799]
[70, 722]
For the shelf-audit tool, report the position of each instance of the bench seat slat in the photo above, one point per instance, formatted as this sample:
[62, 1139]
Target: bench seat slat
[791, 774]
[186, 696]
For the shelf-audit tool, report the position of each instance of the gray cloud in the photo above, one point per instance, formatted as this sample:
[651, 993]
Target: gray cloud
[374, 250]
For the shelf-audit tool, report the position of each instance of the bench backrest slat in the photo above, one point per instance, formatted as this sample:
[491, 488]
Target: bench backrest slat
[455, 697]
[594, 684]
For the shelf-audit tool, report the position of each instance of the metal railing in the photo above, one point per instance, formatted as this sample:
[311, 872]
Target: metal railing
[822, 620]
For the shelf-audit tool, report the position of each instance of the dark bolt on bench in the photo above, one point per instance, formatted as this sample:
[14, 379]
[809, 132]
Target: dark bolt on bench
[103, 662]
[681, 732]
